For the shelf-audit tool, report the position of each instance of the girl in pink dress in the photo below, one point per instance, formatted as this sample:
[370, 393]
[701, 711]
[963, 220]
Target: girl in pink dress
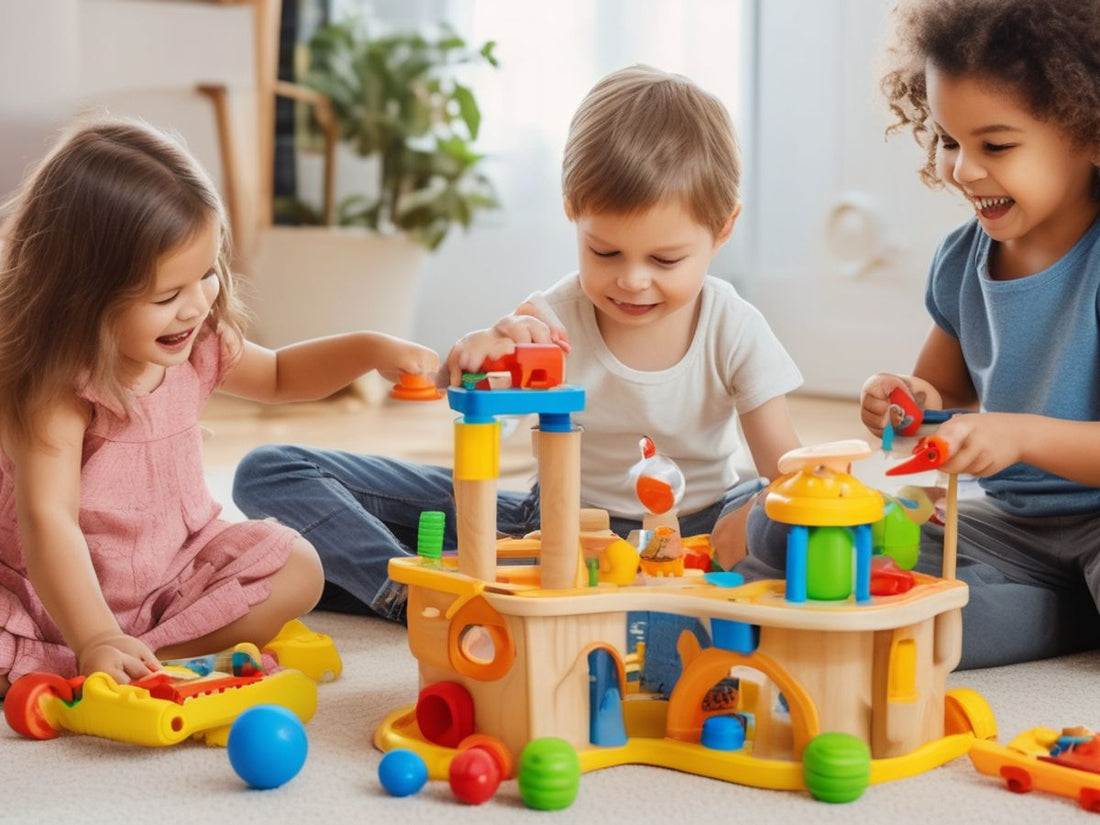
[118, 319]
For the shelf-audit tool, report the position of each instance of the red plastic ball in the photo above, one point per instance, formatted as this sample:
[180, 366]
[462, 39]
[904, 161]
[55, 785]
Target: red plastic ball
[474, 776]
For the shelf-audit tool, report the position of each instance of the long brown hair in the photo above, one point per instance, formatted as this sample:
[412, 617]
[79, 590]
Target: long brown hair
[91, 223]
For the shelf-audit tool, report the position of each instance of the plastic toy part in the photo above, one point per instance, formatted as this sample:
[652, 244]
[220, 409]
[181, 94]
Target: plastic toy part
[402, 772]
[817, 490]
[888, 579]
[658, 481]
[929, 454]
[429, 534]
[723, 733]
[415, 388]
[532, 366]
[836, 767]
[160, 709]
[445, 713]
[1027, 763]
[267, 746]
[912, 416]
[549, 774]
[499, 751]
[474, 775]
[299, 648]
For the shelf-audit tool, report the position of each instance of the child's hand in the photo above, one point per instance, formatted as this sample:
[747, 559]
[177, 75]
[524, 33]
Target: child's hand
[120, 656]
[398, 356]
[982, 444]
[471, 350]
[874, 398]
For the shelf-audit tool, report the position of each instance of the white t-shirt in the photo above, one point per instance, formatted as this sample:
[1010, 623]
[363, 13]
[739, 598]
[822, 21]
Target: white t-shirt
[735, 363]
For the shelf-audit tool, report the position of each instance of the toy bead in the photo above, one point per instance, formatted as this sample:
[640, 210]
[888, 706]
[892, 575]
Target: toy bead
[474, 775]
[402, 772]
[549, 774]
[267, 746]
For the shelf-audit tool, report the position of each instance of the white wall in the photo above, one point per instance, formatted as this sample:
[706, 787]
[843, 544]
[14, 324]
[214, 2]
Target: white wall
[819, 144]
[813, 133]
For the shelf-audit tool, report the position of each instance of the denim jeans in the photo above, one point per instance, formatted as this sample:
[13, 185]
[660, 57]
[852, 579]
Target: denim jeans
[359, 511]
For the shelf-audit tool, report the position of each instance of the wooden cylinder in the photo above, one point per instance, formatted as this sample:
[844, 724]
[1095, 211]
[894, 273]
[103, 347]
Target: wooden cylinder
[560, 507]
[476, 512]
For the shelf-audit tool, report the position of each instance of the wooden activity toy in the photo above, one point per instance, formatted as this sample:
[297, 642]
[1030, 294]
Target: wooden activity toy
[831, 684]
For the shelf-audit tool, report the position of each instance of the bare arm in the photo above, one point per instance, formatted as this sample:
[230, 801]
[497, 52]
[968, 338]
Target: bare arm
[315, 369]
[56, 554]
[770, 433]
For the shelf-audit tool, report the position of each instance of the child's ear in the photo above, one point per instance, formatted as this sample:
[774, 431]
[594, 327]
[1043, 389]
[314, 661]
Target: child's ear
[727, 228]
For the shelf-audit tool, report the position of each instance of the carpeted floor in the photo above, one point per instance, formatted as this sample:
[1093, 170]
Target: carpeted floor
[80, 779]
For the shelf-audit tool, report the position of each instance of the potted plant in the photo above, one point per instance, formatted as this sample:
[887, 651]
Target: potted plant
[396, 101]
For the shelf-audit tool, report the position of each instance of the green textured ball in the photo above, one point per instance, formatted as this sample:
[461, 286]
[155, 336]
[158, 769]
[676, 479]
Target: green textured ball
[549, 774]
[836, 767]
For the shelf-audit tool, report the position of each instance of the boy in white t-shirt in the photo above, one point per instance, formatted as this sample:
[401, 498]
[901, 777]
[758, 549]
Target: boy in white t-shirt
[650, 177]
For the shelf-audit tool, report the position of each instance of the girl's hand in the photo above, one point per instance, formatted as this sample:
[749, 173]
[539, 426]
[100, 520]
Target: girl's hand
[874, 399]
[982, 444]
[399, 356]
[121, 657]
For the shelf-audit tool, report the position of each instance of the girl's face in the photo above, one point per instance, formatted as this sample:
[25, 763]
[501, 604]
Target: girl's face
[1029, 183]
[639, 270]
[158, 329]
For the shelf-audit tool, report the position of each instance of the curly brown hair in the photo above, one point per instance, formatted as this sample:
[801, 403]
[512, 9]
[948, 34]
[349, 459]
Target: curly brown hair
[1047, 51]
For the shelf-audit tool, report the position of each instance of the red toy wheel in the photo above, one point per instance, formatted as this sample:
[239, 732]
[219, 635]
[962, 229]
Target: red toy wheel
[1016, 779]
[1090, 800]
[23, 703]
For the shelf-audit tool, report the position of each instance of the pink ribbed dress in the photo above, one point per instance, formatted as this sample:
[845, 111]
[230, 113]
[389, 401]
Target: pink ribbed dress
[170, 569]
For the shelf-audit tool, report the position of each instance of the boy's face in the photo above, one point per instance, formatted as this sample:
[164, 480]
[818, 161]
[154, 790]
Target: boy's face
[158, 329]
[1028, 182]
[639, 270]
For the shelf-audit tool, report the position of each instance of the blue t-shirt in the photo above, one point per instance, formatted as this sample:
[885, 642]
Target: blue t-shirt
[1031, 345]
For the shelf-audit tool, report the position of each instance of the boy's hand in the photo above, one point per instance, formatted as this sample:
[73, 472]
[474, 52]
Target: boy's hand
[982, 444]
[399, 356]
[874, 399]
[120, 656]
[471, 350]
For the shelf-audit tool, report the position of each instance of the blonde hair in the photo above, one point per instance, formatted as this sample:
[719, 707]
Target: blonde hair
[91, 223]
[642, 136]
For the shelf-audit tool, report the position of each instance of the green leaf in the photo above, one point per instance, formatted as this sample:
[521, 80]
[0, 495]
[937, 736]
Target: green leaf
[468, 109]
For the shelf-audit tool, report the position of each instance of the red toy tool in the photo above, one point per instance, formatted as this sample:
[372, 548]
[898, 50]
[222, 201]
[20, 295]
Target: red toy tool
[931, 452]
[913, 416]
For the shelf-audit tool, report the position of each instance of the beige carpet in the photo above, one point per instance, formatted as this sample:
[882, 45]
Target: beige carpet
[81, 779]
[77, 779]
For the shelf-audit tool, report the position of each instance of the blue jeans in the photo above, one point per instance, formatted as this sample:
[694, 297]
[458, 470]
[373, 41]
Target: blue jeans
[360, 511]
[1029, 579]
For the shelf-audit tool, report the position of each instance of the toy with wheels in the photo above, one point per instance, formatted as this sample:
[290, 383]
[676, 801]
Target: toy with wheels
[1043, 759]
[162, 708]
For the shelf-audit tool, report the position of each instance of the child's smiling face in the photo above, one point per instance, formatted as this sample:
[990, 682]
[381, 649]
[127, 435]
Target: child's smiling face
[1029, 183]
[641, 269]
[158, 329]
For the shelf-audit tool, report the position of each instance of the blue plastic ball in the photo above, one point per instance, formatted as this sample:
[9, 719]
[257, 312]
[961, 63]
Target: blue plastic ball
[402, 772]
[267, 746]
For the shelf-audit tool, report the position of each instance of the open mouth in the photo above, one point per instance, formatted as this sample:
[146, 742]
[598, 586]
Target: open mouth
[175, 341]
[632, 309]
[992, 208]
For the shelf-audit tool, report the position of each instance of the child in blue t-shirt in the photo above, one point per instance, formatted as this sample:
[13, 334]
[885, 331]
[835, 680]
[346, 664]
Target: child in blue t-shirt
[1005, 96]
